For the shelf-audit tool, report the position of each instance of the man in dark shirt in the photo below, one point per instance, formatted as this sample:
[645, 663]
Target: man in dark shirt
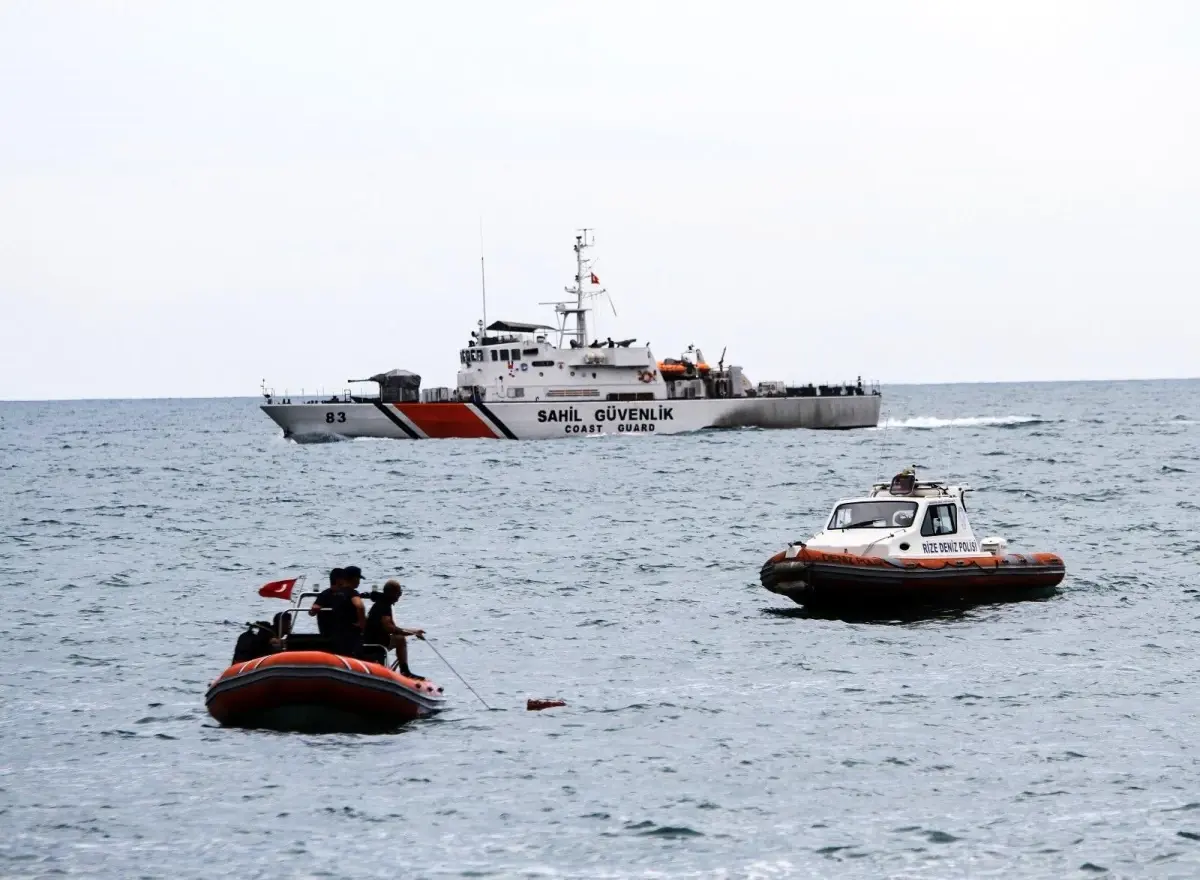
[382, 630]
[352, 575]
[347, 614]
[324, 603]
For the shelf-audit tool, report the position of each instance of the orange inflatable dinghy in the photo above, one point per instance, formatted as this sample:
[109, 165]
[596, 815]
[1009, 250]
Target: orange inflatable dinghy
[319, 692]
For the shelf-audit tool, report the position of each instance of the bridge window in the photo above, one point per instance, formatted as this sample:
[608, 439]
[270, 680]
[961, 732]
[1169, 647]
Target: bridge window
[940, 519]
[530, 351]
[495, 354]
[873, 515]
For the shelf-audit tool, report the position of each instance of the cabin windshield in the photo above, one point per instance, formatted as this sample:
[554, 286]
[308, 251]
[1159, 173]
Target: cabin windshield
[874, 515]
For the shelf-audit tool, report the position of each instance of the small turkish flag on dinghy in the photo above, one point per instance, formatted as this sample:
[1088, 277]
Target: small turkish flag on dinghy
[278, 589]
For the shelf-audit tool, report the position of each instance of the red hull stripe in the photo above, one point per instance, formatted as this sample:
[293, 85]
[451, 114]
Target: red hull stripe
[443, 421]
[490, 416]
[397, 421]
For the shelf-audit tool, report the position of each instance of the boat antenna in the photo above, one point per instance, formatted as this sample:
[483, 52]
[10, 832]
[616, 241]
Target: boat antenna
[881, 441]
[482, 280]
[583, 269]
[581, 333]
[562, 308]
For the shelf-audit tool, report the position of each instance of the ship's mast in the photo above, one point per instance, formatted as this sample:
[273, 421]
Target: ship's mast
[582, 270]
[482, 283]
[581, 315]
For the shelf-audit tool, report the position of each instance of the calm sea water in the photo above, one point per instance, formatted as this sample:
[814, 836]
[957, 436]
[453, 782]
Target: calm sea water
[710, 730]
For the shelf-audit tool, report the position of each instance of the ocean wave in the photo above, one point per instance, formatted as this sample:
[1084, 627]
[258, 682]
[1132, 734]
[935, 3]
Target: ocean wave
[928, 422]
[652, 829]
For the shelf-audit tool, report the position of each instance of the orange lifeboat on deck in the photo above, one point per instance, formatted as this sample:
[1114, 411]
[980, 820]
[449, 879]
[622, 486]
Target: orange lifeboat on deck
[676, 369]
[319, 692]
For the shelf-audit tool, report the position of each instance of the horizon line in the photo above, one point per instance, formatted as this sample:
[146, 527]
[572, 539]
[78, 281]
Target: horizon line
[882, 386]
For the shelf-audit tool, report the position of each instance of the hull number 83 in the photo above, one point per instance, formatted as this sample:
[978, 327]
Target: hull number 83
[330, 418]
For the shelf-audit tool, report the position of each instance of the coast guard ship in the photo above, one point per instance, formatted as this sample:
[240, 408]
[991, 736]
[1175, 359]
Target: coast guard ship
[525, 381]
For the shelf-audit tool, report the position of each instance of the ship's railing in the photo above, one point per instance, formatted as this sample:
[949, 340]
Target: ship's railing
[857, 388]
[319, 397]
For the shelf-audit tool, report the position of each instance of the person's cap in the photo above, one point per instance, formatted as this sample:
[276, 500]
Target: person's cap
[336, 574]
[352, 572]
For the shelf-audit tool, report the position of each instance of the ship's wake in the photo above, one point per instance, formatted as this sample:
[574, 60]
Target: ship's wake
[930, 422]
[317, 437]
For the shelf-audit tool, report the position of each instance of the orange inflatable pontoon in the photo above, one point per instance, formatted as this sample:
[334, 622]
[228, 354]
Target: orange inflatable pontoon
[319, 692]
[818, 577]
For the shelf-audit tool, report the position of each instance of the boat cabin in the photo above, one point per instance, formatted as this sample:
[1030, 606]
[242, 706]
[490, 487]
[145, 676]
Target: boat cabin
[905, 517]
[515, 361]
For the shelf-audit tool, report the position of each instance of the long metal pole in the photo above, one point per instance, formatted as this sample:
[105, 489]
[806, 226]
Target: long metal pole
[455, 671]
[580, 319]
[482, 280]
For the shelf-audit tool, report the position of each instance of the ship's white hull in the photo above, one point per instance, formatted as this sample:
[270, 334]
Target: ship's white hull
[314, 422]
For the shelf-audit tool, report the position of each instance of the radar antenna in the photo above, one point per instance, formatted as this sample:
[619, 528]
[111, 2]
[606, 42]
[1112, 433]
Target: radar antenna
[584, 274]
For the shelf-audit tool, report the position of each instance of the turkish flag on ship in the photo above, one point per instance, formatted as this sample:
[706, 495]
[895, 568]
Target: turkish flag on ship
[278, 589]
[595, 278]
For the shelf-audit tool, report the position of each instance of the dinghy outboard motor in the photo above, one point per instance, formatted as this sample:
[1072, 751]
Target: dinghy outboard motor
[255, 642]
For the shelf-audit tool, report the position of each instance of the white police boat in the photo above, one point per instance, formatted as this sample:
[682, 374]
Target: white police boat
[908, 542]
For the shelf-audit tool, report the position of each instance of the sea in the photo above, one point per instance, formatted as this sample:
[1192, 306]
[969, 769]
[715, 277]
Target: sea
[711, 729]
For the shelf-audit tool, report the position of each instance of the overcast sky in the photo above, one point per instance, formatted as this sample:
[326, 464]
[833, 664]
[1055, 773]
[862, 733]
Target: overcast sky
[198, 196]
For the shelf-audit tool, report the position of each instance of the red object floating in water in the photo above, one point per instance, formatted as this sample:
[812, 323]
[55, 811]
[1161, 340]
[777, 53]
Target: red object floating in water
[534, 705]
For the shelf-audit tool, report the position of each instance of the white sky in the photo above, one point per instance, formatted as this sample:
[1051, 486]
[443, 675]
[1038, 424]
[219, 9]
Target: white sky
[197, 196]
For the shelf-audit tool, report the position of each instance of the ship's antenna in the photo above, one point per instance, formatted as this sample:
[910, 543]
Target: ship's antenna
[581, 332]
[881, 441]
[482, 281]
[562, 307]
